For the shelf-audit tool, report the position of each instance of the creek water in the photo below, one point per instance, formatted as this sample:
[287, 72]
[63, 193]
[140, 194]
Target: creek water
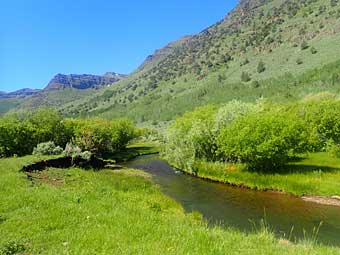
[243, 209]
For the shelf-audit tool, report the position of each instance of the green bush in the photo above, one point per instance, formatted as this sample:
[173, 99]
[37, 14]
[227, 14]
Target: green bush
[333, 148]
[261, 67]
[48, 148]
[299, 61]
[101, 136]
[21, 132]
[324, 116]
[191, 137]
[304, 45]
[313, 50]
[245, 77]
[265, 141]
[264, 135]
[231, 111]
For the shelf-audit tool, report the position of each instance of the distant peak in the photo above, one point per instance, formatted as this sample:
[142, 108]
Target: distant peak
[113, 75]
[83, 81]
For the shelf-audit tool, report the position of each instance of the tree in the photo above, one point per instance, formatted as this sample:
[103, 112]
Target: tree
[313, 50]
[299, 61]
[304, 45]
[261, 67]
[245, 77]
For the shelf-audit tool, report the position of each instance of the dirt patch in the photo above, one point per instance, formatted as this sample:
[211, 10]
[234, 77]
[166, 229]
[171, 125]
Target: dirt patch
[41, 171]
[333, 201]
[45, 177]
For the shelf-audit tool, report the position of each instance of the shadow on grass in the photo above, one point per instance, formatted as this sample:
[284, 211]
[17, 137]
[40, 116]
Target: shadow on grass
[131, 152]
[305, 169]
[299, 165]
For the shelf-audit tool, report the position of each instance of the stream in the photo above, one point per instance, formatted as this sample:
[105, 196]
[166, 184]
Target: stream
[243, 209]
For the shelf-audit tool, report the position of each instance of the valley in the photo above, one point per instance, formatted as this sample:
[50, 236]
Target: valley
[222, 142]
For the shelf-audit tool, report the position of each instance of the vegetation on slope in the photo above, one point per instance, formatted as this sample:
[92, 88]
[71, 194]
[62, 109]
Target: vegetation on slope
[272, 49]
[277, 49]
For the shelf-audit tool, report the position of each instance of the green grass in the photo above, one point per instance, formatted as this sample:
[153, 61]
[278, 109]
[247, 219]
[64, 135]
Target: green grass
[112, 212]
[315, 174]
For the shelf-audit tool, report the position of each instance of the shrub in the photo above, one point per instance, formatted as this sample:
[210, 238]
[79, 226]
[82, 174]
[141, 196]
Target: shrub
[231, 111]
[101, 136]
[261, 67]
[47, 148]
[304, 45]
[313, 50]
[324, 116]
[191, 137]
[299, 61]
[333, 149]
[264, 141]
[21, 132]
[245, 77]
[75, 152]
[72, 150]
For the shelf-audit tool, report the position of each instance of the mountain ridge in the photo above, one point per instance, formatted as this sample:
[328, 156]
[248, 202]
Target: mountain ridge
[21, 93]
[82, 81]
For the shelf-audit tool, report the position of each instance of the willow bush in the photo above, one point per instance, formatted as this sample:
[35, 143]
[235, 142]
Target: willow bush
[21, 132]
[264, 136]
[265, 141]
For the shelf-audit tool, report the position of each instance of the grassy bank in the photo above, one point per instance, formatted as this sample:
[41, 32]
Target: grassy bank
[112, 212]
[314, 174]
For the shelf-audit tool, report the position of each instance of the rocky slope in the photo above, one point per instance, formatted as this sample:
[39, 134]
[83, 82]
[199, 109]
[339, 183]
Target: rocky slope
[83, 81]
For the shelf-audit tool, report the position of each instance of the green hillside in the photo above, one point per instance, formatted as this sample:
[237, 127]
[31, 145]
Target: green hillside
[280, 49]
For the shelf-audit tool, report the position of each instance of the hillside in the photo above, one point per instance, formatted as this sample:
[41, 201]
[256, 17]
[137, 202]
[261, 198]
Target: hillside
[279, 49]
[22, 93]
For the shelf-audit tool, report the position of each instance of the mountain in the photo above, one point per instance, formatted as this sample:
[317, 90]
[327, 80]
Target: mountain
[163, 53]
[275, 49]
[22, 93]
[281, 50]
[61, 90]
[83, 81]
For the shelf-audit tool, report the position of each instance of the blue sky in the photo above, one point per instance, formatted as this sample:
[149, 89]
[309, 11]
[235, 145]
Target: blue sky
[40, 38]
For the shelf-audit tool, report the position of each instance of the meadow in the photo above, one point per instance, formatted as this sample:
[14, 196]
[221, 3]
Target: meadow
[72, 211]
